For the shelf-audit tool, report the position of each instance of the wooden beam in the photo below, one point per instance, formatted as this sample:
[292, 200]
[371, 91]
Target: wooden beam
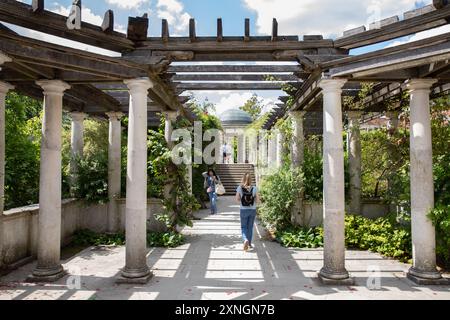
[234, 68]
[22, 14]
[165, 30]
[229, 86]
[439, 4]
[247, 30]
[274, 30]
[137, 28]
[219, 30]
[108, 22]
[192, 33]
[37, 5]
[399, 29]
[233, 77]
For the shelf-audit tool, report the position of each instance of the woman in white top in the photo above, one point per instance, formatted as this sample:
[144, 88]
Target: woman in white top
[247, 197]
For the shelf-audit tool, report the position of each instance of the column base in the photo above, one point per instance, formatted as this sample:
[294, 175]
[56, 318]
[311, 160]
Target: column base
[46, 275]
[135, 277]
[426, 278]
[335, 279]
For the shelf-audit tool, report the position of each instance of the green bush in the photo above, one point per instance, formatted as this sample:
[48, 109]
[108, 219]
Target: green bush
[383, 235]
[440, 217]
[278, 194]
[296, 237]
[89, 238]
[170, 239]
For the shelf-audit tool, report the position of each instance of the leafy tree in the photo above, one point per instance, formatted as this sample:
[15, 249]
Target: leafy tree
[253, 106]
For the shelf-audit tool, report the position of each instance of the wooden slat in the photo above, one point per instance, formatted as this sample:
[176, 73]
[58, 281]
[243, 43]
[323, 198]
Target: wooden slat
[22, 14]
[233, 77]
[274, 30]
[219, 30]
[192, 32]
[165, 30]
[229, 86]
[235, 68]
[108, 22]
[247, 30]
[37, 5]
[402, 28]
[137, 28]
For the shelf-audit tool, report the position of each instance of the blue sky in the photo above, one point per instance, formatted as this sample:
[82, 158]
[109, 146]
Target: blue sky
[295, 17]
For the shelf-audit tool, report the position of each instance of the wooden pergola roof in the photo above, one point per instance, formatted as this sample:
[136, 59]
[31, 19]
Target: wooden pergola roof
[172, 63]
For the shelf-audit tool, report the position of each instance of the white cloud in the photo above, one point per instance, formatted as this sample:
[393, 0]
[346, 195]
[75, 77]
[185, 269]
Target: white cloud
[327, 17]
[127, 4]
[173, 12]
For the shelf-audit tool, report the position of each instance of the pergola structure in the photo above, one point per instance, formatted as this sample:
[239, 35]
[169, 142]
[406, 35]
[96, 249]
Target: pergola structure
[152, 75]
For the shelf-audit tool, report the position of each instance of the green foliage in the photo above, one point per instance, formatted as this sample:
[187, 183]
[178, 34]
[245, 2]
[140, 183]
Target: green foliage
[313, 171]
[253, 107]
[278, 193]
[22, 150]
[87, 238]
[297, 237]
[440, 217]
[383, 235]
[169, 239]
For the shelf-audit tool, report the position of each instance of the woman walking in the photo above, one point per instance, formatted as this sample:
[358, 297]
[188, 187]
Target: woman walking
[211, 181]
[247, 196]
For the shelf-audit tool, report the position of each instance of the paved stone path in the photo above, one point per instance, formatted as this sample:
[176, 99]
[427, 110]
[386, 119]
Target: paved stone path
[212, 265]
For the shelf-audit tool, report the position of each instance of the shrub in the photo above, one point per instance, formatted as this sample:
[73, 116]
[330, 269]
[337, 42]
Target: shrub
[170, 239]
[440, 217]
[278, 194]
[300, 237]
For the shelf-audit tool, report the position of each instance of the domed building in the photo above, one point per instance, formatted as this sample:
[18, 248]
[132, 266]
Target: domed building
[234, 123]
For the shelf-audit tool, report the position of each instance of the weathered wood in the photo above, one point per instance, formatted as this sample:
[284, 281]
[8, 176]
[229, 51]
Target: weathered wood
[247, 30]
[219, 30]
[399, 29]
[234, 77]
[37, 5]
[231, 86]
[235, 68]
[108, 21]
[95, 96]
[165, 35]
[22, 14]
[137, 28]
[192, 33]
[439, 4]
[274, 30]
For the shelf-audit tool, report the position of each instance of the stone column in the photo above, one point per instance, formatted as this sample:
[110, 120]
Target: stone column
[298, 145]
[272, 150]
[49, 227]
[76, 143]
[354, 159]
[114, 169]
[4, 88]
[241, 148]
[333, 270]
[423, 270]
[279, 149]
[136, 269]
[263, 149]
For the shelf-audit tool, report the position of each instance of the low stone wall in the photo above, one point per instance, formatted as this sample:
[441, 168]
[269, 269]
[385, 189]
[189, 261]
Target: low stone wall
[21, 225]
[313, 212]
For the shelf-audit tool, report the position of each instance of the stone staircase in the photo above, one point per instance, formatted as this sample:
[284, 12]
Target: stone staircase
[231, 175]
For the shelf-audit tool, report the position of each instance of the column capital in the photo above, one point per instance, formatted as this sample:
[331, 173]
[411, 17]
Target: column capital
[354, 115]
[78, 116]
[139, 84]
[4, 58]
[420, 84]
[170, 114]
[332, 85]
[5, 87]
[114, 115]
[297, 115]
[53, 87]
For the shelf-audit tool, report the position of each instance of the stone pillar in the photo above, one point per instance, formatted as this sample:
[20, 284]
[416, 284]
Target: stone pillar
[76, 143]
[298, 145]
[219, 155]
[354, 159]
[252, 147]
[272, 150]
[114, 169]
[4, 88]
[423, 270]
[263, 149]
[241, 149]
[333, 270]
[49, 227]
[279, 149]
[136, 269]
